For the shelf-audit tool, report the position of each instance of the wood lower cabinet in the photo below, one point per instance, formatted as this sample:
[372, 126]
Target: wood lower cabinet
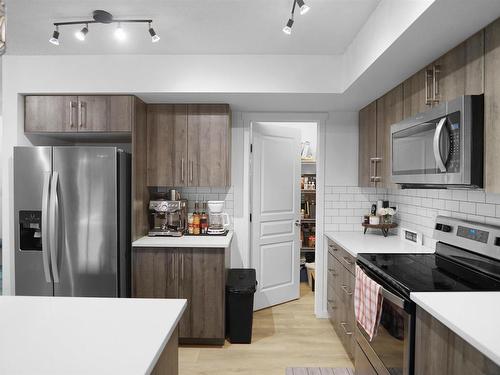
[196, 274]
[82, 114]
[492, 108]
[189, 145]
[340, 292]
[438, 351]
[168, 363]
[367, 144]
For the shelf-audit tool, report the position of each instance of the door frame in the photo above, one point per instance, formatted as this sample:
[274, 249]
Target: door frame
[321, 252]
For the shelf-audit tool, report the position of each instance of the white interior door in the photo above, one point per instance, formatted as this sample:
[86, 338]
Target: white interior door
[275, 213]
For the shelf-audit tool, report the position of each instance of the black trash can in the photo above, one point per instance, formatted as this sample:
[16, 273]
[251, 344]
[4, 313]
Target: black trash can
[240, 288]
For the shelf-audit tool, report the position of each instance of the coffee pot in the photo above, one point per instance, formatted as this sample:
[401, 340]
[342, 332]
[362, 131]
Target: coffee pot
[218, 220]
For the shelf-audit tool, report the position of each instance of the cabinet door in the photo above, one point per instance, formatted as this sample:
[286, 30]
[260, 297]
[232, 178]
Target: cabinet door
[202, 283]
[56, 114]
[167, 145]
[121, 113]
[414, 94]
[209, 145]
[93, 113]
[155, 273]
[474, 64]
[389, 111]
[367, 144]
[492, 108]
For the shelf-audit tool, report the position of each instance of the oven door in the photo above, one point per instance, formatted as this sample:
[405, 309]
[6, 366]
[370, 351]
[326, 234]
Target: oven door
[426, 150]
[391, 350]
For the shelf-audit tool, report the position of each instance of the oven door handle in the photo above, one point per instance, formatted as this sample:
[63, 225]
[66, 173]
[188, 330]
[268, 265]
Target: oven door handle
[398, 301]
[437, 145]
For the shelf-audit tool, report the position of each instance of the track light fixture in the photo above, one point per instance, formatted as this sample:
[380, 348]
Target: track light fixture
[55, 37]
[303, 7]
[101, 16]
[154, 37]
[82, 34]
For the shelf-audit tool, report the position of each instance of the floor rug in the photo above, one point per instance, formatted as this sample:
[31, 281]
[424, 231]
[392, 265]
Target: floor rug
[318, 371]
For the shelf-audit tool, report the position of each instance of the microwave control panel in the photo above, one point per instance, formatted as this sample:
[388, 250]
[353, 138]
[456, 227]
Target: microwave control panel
[453, 164]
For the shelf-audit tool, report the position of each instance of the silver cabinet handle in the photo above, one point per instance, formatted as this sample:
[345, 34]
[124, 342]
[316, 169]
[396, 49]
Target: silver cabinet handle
[347, 260]
[191, 172]
[436, 69]
[436, 145]
[343, 325]
[71, 123]
[332, 247]
[80, 110]
[45, 227]
[347, 291]
[182, 169]
[429, 74]
[54, 226]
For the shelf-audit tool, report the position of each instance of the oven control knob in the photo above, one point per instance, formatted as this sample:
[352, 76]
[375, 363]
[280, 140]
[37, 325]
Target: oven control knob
[446, 228]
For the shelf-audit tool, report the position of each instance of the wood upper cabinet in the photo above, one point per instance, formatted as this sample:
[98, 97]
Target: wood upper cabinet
[389, 112]
[196, 274]
[167, 155]
[54, 114]
[492, 108]
[438, 350]
[367, 144]
[84, 114]
[189, 145]
[414, 94]
[209, 144]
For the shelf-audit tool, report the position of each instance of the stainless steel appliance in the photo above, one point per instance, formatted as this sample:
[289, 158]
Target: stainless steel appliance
[72, 208]
[467, 258]
[443, 146]
[167, 217]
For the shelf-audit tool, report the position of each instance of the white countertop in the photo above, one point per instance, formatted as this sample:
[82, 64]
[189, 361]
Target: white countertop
[63, 335]
[471, 315]
[185, 241]
[375, 242]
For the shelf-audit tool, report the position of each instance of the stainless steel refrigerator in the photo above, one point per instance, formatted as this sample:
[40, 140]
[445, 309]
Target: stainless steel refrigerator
[72, 210]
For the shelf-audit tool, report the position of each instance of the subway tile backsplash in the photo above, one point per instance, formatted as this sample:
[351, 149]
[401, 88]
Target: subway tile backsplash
[417, 208]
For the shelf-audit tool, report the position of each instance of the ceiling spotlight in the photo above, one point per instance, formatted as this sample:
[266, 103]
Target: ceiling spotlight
[288, 28]
[304, 8]
[82, 34]
[119, 33]
[154, 37]
[55, 37]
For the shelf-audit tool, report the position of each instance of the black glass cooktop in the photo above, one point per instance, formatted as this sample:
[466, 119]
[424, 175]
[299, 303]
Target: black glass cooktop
[432, 272]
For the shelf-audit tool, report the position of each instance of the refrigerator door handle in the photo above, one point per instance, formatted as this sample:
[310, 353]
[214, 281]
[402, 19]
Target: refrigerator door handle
[54, 225]
[45, 227]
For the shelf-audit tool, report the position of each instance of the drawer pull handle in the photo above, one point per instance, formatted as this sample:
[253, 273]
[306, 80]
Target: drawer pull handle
[330, 300]
[347, 260]
[333, 248]
[347, 291]
[343, 324]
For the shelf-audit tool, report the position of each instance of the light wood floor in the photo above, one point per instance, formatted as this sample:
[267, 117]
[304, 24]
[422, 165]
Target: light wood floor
[287, 335]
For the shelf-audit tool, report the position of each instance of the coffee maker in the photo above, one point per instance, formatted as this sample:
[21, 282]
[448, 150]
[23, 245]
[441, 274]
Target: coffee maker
[167, 217]
[218, 220]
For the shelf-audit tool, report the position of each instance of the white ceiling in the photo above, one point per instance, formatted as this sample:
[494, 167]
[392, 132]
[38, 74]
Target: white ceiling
[189, 26]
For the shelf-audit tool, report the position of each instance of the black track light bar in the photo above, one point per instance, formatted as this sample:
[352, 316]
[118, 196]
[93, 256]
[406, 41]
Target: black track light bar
[94, 21]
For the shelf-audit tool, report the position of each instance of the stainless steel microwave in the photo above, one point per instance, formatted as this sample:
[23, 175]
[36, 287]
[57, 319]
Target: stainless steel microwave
[442, 147]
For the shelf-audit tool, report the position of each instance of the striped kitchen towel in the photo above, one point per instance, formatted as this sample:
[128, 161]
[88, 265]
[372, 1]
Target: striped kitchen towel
[367, 303]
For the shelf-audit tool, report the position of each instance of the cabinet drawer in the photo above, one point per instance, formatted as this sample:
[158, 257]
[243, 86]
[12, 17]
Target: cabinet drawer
[345, 258]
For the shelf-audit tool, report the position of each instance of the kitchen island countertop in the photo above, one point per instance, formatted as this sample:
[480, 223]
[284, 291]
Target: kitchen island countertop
[471, 315]
[186, 241]
[374, 242]
[67, 335]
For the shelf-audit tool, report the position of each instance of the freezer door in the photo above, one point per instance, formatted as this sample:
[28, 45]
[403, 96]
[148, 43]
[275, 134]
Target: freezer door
[32, 171]
[87, 257]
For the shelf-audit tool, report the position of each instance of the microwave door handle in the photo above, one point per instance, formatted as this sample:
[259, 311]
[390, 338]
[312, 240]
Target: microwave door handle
[437, 151]
[45, 226]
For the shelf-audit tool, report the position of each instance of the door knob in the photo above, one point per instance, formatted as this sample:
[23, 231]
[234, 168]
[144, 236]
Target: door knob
[297, 223]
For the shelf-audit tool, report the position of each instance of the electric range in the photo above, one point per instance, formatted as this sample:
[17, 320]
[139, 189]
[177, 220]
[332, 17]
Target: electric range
[467, 258]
